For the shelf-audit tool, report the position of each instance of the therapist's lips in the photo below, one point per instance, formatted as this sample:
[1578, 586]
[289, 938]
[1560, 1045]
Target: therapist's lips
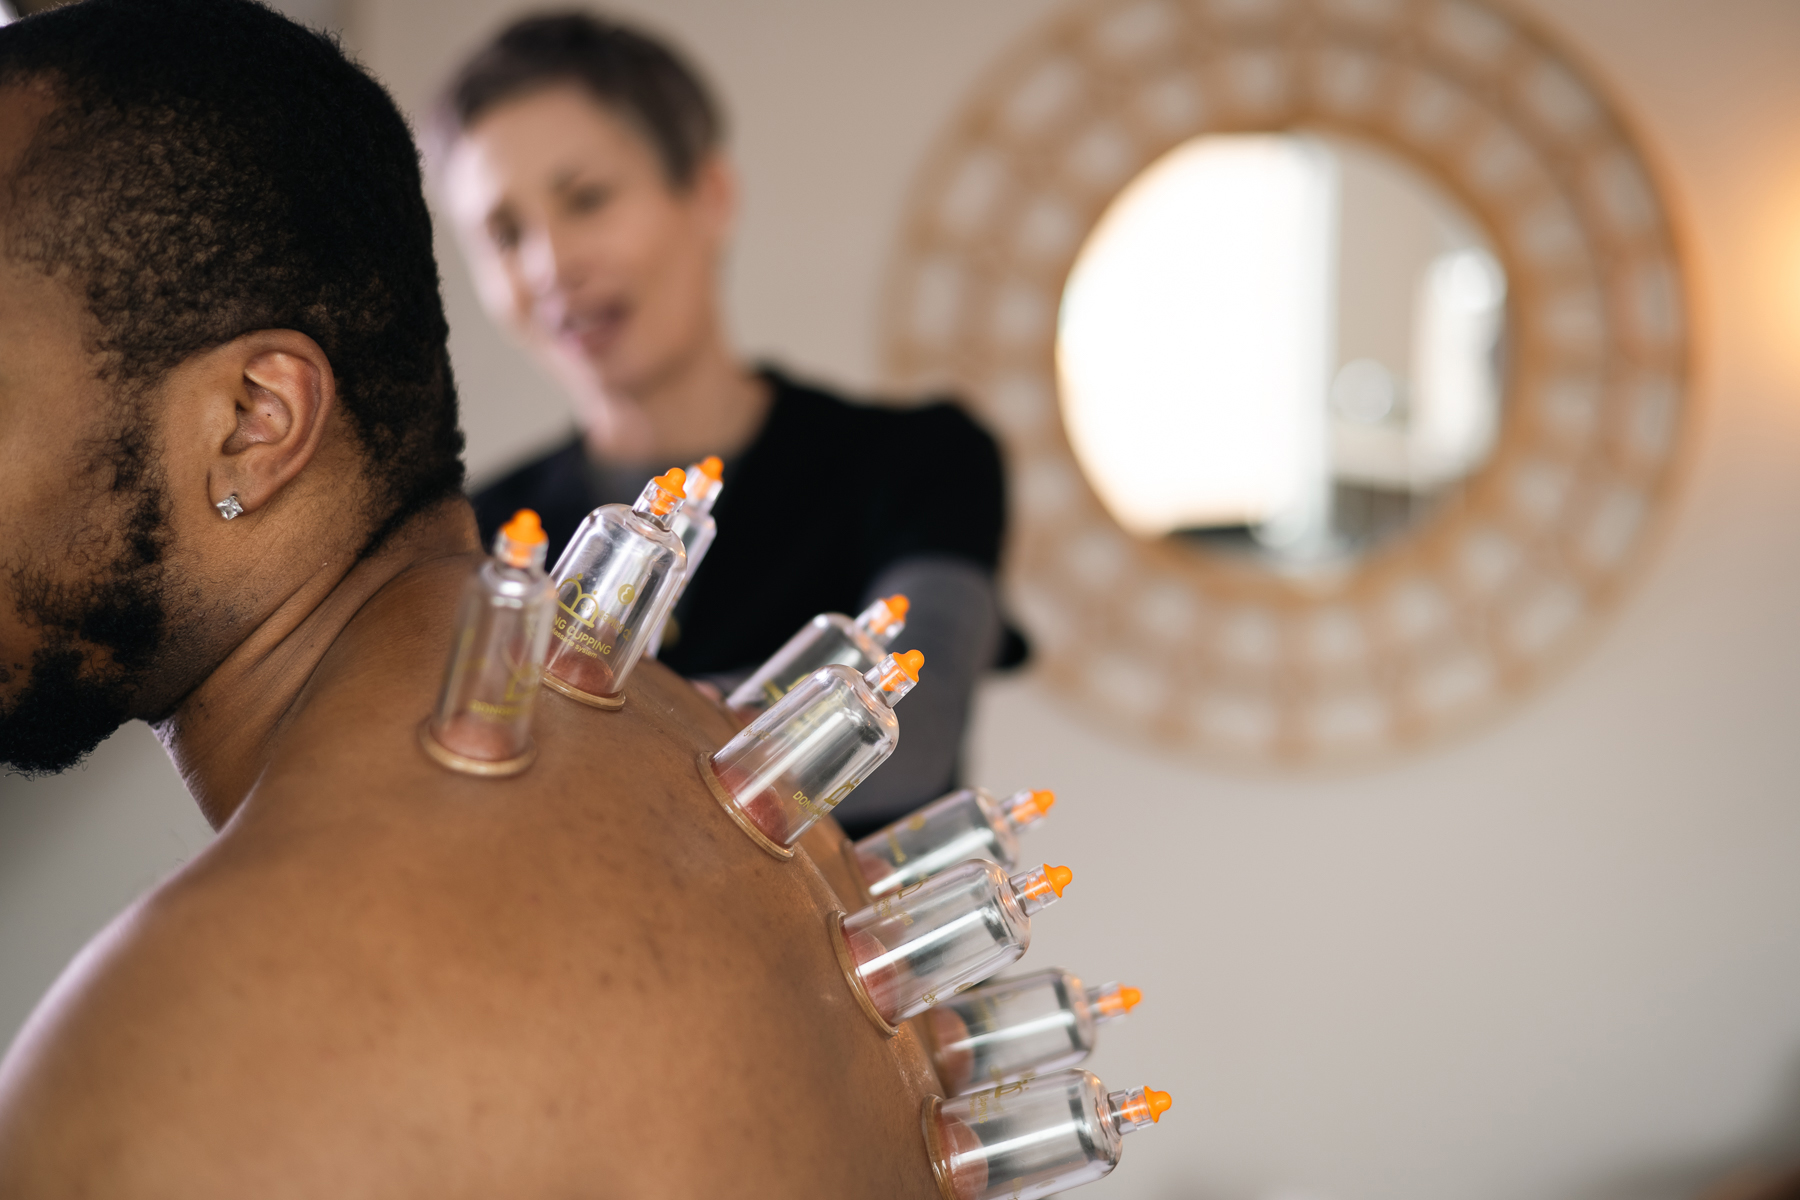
[594, 330]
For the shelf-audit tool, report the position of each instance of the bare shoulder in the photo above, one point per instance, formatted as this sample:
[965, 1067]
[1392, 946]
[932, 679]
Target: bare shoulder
[388, 979]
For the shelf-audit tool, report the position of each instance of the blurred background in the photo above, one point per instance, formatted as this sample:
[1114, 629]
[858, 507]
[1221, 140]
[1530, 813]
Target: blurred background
[1558, 956]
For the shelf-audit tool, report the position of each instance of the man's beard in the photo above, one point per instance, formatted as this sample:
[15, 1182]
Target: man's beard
[103, 635]
[63, 713]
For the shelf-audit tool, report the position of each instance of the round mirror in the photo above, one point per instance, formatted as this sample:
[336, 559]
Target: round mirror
[1339, 349]
[1282, 345]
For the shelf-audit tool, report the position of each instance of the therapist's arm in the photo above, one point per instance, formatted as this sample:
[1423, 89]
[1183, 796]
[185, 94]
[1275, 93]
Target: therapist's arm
[954, 620]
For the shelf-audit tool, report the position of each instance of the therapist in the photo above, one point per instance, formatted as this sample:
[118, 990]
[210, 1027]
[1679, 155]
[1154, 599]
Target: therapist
[581, 162]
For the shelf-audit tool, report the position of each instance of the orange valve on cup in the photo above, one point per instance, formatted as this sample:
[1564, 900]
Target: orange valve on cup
[670, 489]
[828, 638]
[482, 723]
[1040, 884]
[965, 824]
[703, 475]
[1144, 1105]
[1033, 1138]
[1114, 1001]
[924, 943]
[1015, 1028]
[900, 671]
[522, 541]
[792, 765]
[614, 584]
[884, 615]
[693, 523]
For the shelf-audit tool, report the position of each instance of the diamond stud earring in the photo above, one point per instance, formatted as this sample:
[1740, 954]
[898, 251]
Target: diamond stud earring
[229, 506]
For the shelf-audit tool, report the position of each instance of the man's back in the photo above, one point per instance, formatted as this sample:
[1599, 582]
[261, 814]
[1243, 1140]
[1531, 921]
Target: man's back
[388, 979]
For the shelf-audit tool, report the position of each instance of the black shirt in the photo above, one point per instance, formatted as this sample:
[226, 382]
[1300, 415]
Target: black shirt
[826, 497]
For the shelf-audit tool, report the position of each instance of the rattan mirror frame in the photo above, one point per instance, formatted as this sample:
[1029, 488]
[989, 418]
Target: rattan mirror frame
[1498, 588]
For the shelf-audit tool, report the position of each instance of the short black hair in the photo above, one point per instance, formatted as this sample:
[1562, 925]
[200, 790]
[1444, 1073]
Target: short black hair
[211, 168]
[640, 77]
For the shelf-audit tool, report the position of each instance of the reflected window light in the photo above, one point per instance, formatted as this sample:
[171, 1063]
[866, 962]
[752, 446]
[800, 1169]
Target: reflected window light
[1455, 388]
[1195, 337]
[1285, 343]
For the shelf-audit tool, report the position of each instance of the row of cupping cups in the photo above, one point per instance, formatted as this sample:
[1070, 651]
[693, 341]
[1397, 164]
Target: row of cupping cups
[950, 910]
[616, 584]
[826, 723]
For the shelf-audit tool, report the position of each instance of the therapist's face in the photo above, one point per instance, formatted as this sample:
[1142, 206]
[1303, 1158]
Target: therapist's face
[579, 242]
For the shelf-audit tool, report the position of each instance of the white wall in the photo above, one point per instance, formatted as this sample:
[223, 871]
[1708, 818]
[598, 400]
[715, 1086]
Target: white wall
[1559, 958]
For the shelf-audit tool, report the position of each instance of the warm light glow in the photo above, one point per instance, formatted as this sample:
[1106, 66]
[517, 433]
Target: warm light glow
[1195, 336]
[1787, 332]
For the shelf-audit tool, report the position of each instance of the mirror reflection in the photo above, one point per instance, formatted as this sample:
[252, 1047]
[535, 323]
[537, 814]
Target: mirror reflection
[1288, 346]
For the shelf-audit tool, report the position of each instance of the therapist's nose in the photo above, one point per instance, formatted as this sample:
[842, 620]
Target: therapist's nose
[550, 265]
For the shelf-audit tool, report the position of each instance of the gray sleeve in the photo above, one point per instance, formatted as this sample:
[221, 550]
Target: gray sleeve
[954, 620]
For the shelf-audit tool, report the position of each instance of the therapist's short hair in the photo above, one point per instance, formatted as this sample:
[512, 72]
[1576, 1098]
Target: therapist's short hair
[636, 75]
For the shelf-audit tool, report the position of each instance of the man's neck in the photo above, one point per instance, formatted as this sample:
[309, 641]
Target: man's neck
[707, 403]
[220, 736]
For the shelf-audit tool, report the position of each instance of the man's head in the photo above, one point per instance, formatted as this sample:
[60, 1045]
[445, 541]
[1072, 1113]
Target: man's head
[580, 160]
[216, 279]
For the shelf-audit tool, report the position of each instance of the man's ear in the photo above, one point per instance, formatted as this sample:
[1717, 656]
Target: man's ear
[283, 392]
